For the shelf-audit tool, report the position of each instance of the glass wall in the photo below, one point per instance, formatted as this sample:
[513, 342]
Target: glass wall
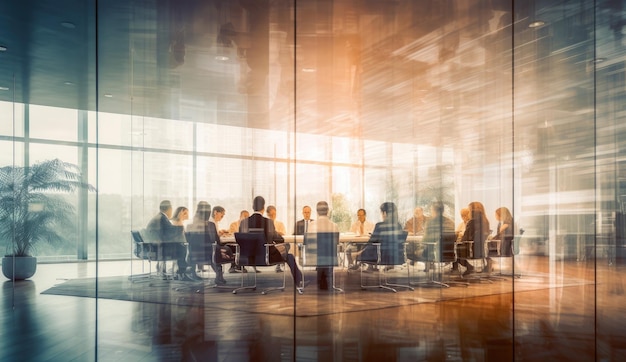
[507, 104]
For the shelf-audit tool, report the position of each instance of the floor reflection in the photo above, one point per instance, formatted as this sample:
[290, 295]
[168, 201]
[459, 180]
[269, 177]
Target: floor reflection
[569, 322]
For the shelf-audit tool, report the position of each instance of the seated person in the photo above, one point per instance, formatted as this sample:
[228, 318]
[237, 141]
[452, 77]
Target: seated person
[202, 224]
[281, 251]
[415, 225]
[382, 230]
[477, 230]
[161, 230]
[504, 232]
[278, 225]
[234, 226]
[460, 229]
[361, 227]
[437, 226]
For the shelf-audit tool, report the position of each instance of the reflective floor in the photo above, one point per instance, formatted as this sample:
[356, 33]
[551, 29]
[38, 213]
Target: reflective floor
[555, 323]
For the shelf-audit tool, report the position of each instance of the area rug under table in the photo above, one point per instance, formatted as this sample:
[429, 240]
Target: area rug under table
[312, 302]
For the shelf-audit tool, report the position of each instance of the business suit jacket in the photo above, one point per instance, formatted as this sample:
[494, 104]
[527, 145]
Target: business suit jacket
[258, 221]
[299, 228]
[160, 229]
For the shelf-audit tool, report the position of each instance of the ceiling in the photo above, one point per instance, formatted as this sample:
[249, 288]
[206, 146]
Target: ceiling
[428, 72]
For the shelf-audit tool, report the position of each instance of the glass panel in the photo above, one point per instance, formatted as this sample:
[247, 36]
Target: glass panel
[13, 124]
[53, 123]
[554, 122]
[41, 51]
[510, 107]
[607, 250]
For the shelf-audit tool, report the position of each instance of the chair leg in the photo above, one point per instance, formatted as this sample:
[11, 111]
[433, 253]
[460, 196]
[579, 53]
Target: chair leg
[512, 274]
[281, 288]
[334, 286]
[431, 280]
[245, 287]
[215, 285]
[386, 283]
[477, 277]
[383, 283]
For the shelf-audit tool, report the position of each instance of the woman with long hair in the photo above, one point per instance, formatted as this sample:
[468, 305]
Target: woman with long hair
[201, 217]
[504, 232]
[476, 231]
[180, 215]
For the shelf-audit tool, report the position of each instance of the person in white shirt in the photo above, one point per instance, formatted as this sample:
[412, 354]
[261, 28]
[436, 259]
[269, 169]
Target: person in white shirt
[278, 225]
[361, 227]
[323, 224]
[234, 226]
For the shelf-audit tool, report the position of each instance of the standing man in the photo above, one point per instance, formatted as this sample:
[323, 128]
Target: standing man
[257, 220]
[361, 227]
[323, 224]
[161, 230]
[303, 225]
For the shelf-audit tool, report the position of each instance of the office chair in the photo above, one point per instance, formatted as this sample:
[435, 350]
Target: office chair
[152, 251]
[473, 252]
[389, 252]
[202, 251]
[507, 250]
[255, 251]
[441, 254]
[320, 250]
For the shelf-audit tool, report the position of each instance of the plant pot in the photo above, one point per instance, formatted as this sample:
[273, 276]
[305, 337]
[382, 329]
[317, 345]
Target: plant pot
[25, 267]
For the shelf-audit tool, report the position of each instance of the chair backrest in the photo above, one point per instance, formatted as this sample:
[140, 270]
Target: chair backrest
[139, 244]
[493, 247]
[320, 249]
[251, 248]
[510, 246]
[200, 246]
[137, 238]
[392, 248]
[447, 246]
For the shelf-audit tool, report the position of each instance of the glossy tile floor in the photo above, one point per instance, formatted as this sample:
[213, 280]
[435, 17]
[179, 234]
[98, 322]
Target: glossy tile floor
[567, 321]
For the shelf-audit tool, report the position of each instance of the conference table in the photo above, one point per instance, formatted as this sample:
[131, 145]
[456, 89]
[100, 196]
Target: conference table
[344, 239]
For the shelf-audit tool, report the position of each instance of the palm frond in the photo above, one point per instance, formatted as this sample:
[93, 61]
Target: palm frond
[31, 210]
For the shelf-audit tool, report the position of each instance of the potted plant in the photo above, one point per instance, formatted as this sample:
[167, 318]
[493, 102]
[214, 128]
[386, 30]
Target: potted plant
[32, 211]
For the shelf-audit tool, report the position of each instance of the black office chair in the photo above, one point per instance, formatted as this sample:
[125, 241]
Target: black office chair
[474, 253]
[142, 251]
[200, 249]
[255, 251]
[440, 255]
[506, 249]
[320, 250]
[204, 250]
[391, 251]
[152, 251]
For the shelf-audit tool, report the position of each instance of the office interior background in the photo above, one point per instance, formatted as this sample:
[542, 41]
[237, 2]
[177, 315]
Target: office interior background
[356, 102]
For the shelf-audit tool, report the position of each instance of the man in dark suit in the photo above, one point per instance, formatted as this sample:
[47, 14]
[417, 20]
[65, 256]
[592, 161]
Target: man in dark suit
[258, 221]
[161, 230]
[302, 225]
